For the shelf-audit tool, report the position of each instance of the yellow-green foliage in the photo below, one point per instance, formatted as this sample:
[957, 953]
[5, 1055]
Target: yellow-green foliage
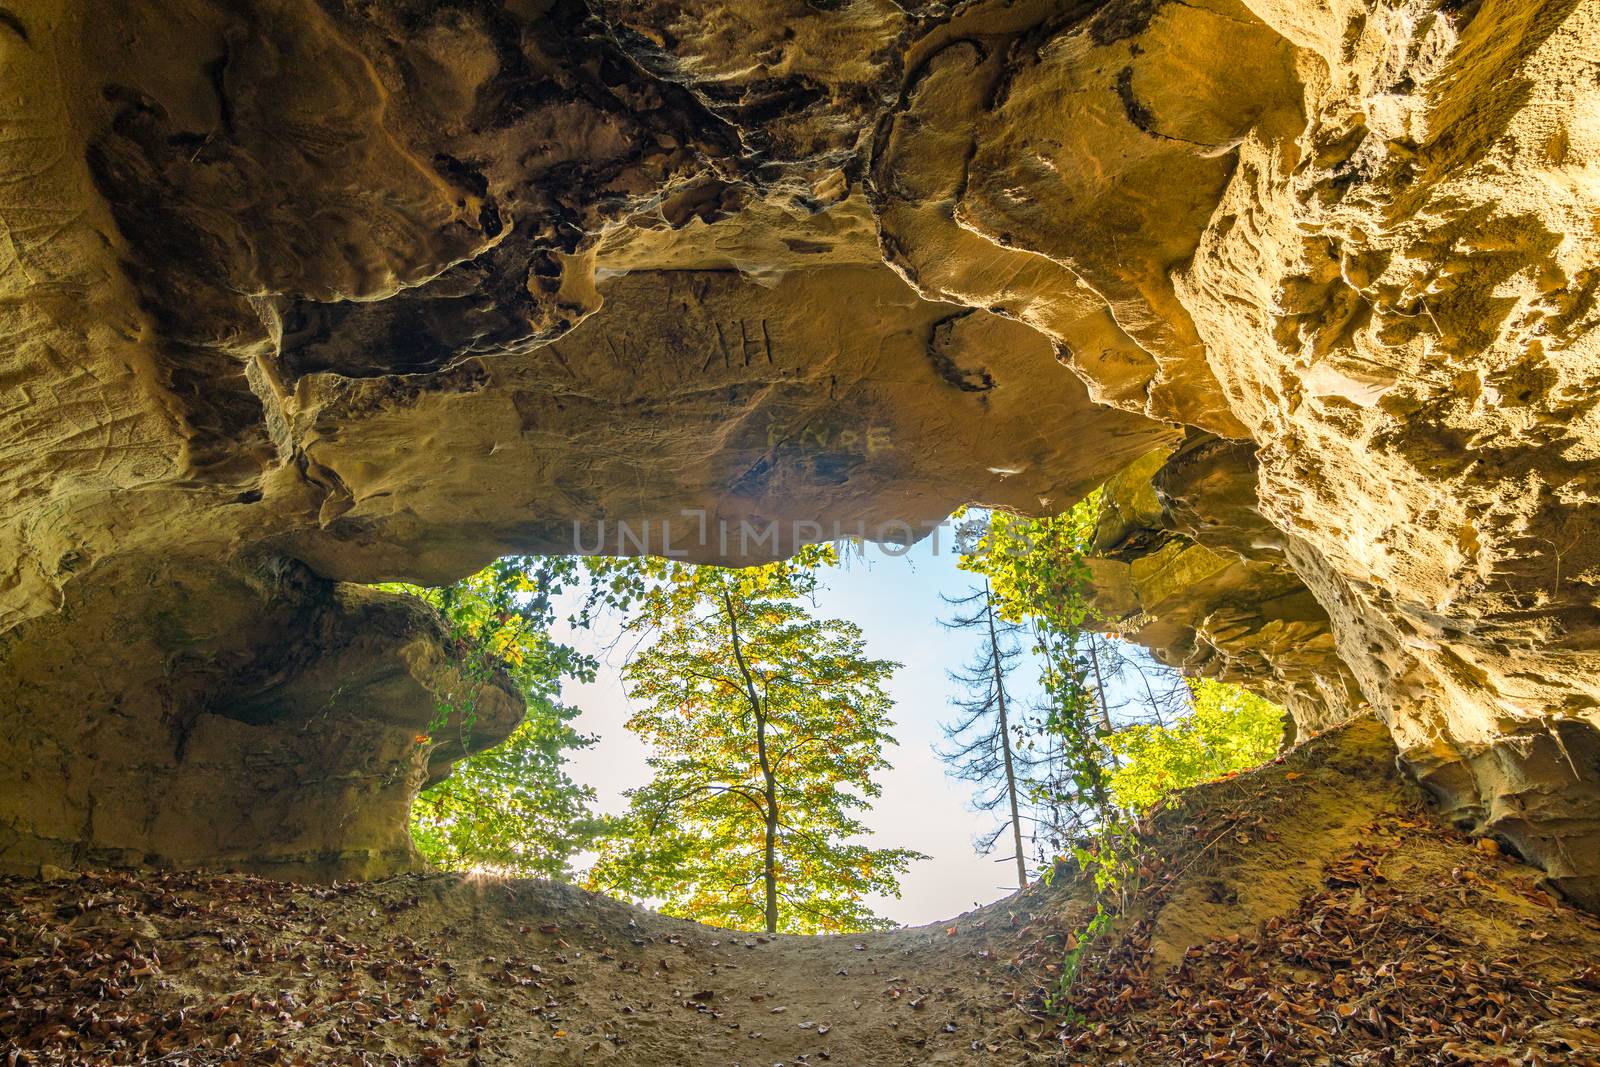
[512, 808]
[1037, 567]
[1231, 729]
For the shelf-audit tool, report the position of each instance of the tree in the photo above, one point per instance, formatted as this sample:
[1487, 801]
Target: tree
[1095, 766]
[1142, 689]
[983, 735]
[513, 807]
[1038, 571]
[767, 727]
[1228, 730]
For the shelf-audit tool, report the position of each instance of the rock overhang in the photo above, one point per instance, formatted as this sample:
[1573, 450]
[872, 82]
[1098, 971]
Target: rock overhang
[493, 270]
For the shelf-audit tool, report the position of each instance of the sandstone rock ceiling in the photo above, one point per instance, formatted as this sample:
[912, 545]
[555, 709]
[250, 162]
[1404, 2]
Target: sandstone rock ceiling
[303, 294]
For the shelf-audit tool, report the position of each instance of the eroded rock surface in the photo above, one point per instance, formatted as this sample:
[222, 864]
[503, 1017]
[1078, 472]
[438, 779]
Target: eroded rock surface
[175, 712]
[358, 292]
[1187, 567]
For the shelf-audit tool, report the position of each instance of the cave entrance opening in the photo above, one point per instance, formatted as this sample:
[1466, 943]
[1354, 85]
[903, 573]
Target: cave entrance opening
[616, 659]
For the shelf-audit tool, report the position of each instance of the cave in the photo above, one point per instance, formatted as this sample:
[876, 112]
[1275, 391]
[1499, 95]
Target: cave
[308, 295]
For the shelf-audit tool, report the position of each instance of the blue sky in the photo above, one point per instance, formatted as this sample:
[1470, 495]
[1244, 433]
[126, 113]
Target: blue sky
[895, 601]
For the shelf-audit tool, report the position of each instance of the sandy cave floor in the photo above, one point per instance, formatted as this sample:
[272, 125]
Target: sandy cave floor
[1310, 912]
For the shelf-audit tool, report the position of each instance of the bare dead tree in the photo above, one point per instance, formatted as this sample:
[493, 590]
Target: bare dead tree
[983, 736]
[1138, 687]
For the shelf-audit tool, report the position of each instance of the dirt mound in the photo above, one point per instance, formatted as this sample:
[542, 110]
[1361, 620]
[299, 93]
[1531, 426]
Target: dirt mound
[1314, 912]
[1309, 912]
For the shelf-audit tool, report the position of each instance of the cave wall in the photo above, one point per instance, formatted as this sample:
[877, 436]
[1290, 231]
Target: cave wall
[253, 715]
[1185, 565]
[365, 292]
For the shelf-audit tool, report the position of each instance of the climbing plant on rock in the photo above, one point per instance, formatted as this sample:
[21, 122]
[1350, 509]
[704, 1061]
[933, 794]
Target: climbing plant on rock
[512, 808]
[1038, 571]
[1096, 774]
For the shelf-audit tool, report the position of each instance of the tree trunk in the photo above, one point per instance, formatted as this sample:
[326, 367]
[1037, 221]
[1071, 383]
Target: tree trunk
[1057, 752]
[769, 780]
[772, 826]
[1100, 694]
[1005, 738]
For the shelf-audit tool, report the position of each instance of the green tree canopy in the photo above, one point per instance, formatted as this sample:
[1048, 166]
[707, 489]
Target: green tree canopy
[1038, 568]
[767, 727]
[1230, 729]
